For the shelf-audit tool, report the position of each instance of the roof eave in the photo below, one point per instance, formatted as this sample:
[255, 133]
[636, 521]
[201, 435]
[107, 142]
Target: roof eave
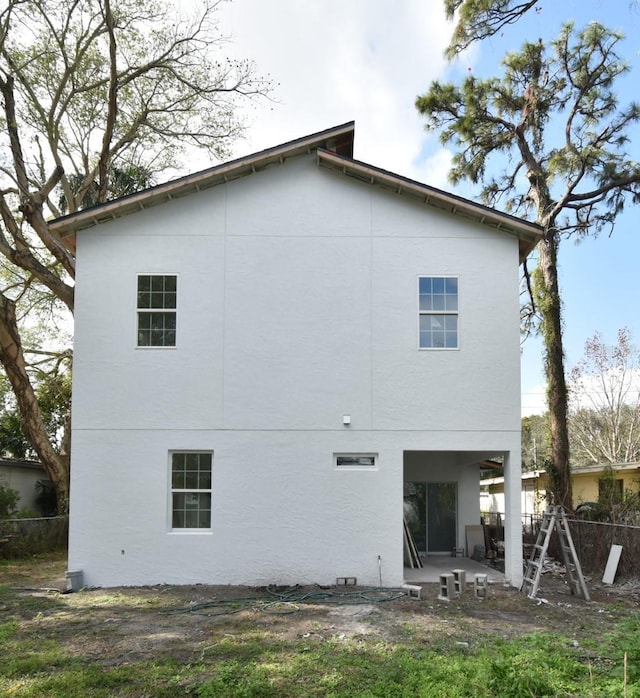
[338, 139]
[528, 234]
[599, 467]
[334, 149]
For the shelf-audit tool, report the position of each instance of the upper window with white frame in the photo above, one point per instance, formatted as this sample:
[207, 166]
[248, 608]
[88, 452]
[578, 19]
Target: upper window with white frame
[157, 304]
[191, 490]
[438, 297]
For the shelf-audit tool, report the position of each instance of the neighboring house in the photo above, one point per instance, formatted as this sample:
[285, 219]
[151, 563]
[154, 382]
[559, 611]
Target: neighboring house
[585, 481]
[270, 353]
[23, 476]
[533, 494]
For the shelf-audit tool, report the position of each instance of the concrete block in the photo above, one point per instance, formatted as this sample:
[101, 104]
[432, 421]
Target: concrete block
[413, 591]
[346, 581]
[459, 581]
[447, 587]
[481, 586]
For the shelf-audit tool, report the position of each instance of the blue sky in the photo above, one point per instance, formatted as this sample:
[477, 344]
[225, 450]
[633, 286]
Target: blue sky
[598, 276]
[367, 60]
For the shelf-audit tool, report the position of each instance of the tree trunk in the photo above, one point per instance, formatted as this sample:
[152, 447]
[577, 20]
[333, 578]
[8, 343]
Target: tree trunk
[549, 305]
[12, 358]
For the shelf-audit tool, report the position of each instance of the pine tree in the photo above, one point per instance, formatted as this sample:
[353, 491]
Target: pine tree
[553, 125]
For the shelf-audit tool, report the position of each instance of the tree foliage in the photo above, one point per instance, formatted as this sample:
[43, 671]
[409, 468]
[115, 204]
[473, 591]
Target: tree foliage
[546, 140]
[8, 501]
[605, 402]
[476, 20]
[554, 120]
[536, 442]
[97, 98]
[53, 394]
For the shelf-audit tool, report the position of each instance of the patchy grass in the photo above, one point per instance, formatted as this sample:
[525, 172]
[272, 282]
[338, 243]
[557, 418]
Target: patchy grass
[34, 571]
[201, 642]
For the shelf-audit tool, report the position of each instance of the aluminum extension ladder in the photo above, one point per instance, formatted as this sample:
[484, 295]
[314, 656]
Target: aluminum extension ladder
[554, 519]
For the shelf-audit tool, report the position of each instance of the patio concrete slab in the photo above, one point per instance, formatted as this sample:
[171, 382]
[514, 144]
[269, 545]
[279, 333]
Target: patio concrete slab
[435, 565]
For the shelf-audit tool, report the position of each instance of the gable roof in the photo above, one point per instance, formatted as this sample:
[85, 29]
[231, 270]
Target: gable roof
[528, 233]
[334, 148]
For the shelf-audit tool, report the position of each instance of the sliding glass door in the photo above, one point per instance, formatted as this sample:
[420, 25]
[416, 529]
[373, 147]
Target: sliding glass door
[430, 510]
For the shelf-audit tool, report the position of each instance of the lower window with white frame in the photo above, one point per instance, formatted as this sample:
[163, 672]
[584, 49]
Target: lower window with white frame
[191, 490]
[355, 460]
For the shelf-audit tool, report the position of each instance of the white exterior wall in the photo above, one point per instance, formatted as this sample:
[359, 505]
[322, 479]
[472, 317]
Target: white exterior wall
[297, 304]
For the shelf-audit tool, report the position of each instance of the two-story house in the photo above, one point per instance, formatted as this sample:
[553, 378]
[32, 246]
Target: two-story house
[274, 356]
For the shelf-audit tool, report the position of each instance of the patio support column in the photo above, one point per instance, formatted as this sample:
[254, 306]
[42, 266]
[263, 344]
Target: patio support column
[513, 516]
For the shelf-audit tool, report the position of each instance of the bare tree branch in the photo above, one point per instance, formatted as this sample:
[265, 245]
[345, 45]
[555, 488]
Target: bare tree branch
[98, 100]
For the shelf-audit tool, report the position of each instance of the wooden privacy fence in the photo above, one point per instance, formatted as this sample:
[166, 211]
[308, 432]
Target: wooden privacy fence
[22, 537]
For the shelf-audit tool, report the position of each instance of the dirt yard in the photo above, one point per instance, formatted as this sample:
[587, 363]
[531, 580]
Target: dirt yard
[110, 625]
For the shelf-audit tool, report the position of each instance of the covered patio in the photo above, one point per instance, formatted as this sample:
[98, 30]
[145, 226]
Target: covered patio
[435, 565]
[442, 514]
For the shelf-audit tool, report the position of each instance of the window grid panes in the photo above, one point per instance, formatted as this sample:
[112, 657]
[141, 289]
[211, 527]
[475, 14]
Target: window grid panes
[157, 303]
[191, 490]
[438, 303]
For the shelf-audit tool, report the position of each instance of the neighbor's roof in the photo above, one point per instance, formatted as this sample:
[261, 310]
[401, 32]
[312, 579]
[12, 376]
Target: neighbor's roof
[575, 470]
[334, 148]
[16, 463]
[601, 467]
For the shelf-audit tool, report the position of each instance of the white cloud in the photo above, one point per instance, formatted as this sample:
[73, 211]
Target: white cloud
[336, 61]
[435, 169]
[599, 392]
[588, 393]
[534, 400]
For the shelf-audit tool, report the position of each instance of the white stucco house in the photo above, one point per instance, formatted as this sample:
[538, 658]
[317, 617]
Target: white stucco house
[278, 357]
